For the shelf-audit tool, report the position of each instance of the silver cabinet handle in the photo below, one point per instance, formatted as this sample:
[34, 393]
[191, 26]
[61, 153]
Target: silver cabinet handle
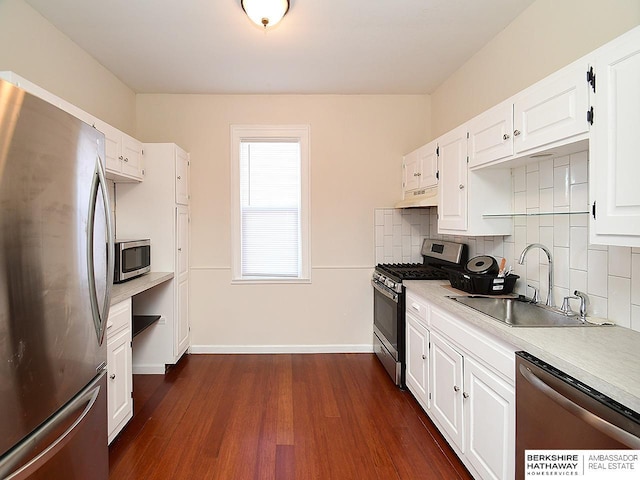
[126, 159]
[516, 133]
[465, 395]
[506, 136]
[456, 388]
[120, 157]
[112, 376]
[424, 357]
[585, 415]
[461, 187]
[179, 249]
[179, 177]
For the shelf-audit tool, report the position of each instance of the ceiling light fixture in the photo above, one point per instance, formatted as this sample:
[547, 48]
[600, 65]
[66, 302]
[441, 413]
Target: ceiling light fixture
[265, 13]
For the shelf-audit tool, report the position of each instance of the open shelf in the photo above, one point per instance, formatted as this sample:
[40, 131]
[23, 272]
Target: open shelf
[142, 322]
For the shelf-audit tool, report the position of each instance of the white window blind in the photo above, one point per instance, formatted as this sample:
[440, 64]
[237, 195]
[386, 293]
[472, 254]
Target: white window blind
[270, 203]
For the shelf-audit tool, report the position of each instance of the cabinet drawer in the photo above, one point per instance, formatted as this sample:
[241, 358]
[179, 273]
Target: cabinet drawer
[494, 352]
[416, 308]
[119, 317]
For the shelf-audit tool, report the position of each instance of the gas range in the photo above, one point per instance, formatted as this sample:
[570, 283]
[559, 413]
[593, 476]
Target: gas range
[435, 256]
[389, 299]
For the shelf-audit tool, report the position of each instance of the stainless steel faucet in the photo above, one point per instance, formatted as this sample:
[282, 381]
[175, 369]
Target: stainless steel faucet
[550, 302]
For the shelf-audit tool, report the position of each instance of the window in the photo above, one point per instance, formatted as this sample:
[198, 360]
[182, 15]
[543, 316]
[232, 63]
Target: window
[270, 203]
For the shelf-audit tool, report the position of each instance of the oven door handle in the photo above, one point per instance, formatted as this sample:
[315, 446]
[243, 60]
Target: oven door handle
[609, 429]
[390, 295]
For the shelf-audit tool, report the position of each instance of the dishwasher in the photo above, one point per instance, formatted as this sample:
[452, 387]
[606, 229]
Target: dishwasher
[554, 411]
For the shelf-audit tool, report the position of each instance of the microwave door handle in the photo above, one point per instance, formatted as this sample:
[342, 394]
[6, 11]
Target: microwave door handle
[99, 315]
[609, 429]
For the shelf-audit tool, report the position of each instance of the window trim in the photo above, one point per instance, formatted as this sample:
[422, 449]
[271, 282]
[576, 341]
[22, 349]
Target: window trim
[300, 133]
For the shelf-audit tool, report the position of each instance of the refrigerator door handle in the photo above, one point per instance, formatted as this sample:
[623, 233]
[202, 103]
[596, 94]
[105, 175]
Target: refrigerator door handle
[592, 419]
[17, 456]
[99, 315]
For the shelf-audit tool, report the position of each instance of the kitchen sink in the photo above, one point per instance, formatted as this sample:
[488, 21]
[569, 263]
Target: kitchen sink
[519, 312]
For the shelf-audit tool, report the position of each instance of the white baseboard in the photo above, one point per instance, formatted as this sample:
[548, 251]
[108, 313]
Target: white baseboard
[364, 348]
[149, 369]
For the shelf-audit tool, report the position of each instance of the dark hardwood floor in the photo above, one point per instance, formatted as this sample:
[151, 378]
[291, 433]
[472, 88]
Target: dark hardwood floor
[307, 416]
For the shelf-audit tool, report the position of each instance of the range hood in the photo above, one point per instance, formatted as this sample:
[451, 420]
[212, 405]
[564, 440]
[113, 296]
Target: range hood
[423, 197]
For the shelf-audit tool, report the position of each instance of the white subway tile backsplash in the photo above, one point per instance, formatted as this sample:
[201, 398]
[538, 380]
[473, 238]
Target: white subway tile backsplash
[379, 217]
[597, 273]
[635, 278]
[635, 317]
[578, 241]
[546, 205]
[561, 230]
[519, 179]
[578, 281]
[578, 167]
[557, 162]
[620, 261]
[546, 174]
[597, 306]
[399, 234]
[561, 197]
[579, 203]
[561, 267]
[533, 189]
[619, 301]
[396, 215]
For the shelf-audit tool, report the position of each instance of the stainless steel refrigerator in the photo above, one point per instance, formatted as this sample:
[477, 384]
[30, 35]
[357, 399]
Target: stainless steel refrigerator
[56, 266]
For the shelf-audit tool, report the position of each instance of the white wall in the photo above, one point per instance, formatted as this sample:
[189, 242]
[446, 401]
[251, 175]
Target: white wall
[547, 36]
[357, 143]
[34, 49]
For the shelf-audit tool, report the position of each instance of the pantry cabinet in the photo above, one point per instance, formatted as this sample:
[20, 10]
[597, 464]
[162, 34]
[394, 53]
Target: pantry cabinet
[119, 368]
[615, 143]
[169, 230]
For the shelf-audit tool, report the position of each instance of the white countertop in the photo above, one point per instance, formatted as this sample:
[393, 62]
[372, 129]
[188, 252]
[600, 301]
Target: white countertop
[122, 291]
[605, 358]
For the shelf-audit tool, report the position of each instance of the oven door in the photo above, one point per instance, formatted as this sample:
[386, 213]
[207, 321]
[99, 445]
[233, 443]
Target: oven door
[388, 327]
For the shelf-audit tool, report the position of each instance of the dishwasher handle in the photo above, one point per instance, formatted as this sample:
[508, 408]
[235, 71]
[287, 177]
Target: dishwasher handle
[592, 419]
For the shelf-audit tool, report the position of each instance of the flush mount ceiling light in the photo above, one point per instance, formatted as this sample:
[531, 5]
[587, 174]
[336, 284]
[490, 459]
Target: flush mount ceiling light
[265, 13]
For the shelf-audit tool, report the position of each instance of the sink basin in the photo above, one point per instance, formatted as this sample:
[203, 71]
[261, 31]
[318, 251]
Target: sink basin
[517, 312]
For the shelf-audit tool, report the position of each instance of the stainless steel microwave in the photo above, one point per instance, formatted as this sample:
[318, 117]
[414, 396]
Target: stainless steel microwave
[132, 259]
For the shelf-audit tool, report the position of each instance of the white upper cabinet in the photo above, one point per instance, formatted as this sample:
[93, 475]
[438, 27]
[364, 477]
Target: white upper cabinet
[124, 154]
[182, 177]
[491, 135]
[615, 143]
[420, 168]
[553, 110]
[452, 205]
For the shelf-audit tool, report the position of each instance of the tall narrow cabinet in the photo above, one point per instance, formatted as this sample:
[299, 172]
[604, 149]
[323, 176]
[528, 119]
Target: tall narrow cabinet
[158, 209]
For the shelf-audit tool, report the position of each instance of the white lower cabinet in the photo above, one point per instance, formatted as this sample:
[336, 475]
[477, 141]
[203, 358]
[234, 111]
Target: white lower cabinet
[417, 373]
[119, 368]
[464, 379]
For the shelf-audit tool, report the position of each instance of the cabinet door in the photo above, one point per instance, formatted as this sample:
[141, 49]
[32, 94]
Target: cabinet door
[113, 163]
[131, 157]
[452, 205]
[411, 171]
[428, 161]
[552, 110]
[182, 177]
[119, 368]
[615, 142]
[446, 388]
[490, 135]
[182, 263]
[489, 405]
[417, 376]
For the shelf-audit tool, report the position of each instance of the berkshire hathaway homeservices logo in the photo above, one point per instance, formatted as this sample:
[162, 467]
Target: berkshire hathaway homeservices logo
[582, 464]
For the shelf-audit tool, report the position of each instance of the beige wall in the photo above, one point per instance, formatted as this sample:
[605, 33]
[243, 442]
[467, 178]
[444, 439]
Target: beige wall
[357, 143]
[34, 49]
[544, 38]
